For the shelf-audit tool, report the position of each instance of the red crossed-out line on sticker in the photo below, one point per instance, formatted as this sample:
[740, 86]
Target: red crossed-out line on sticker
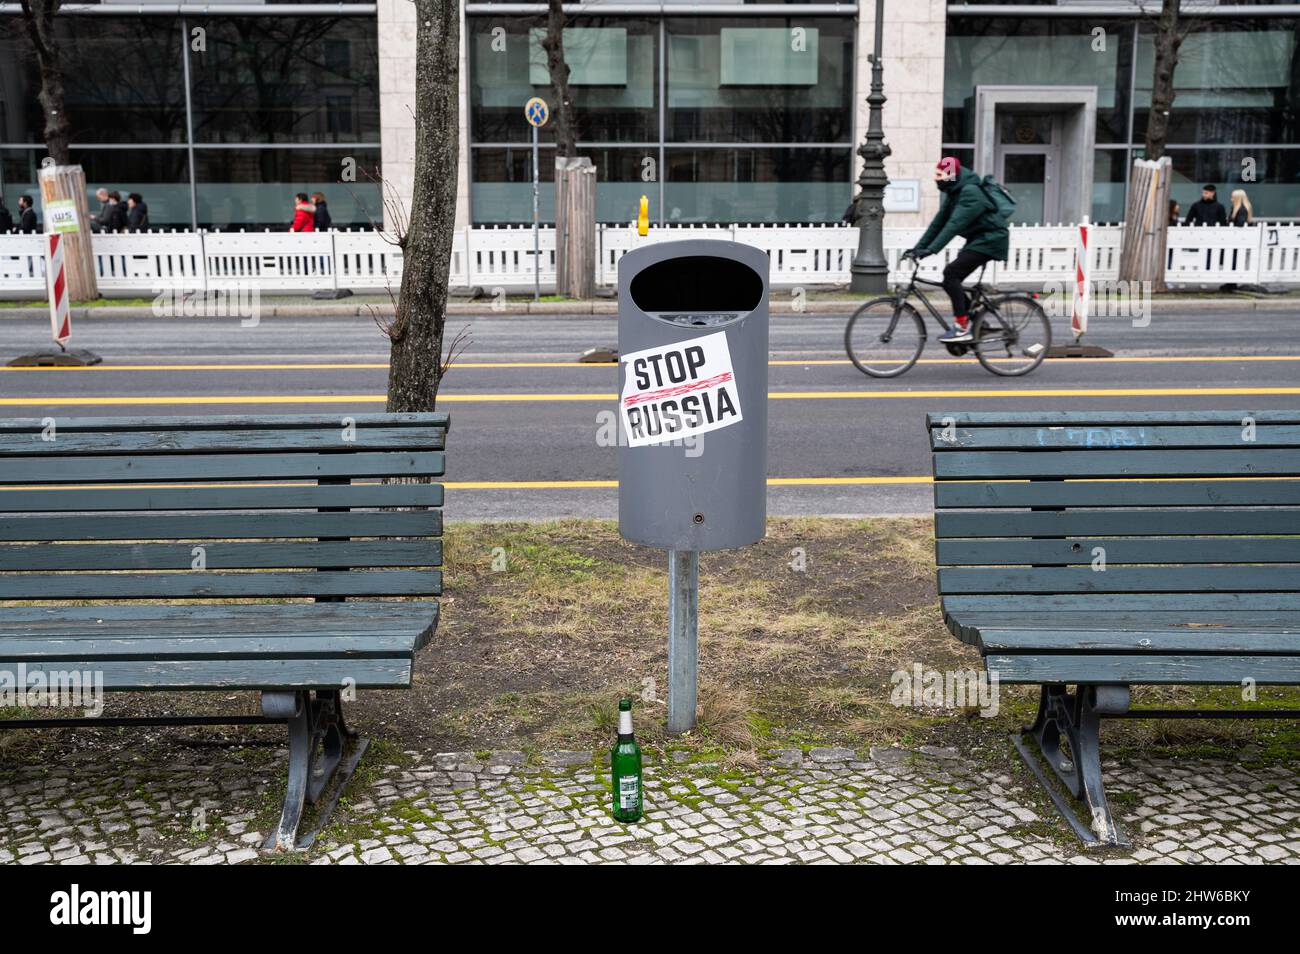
[677, 389]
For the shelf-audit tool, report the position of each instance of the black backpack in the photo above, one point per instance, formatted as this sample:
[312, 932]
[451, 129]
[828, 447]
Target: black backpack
[1004, 204]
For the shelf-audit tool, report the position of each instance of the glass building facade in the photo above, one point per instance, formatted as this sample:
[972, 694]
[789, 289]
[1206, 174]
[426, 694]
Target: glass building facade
[276, 105]
[1236, 115]
[715, 119]
[739, 116]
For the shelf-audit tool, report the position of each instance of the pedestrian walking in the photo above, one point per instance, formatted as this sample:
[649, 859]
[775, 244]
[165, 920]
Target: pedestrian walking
[26, 215]
[321, 217]
[304, 214]
[1242, 213]
[137, 213]
[1209, 210]
[111, 217]
[6, 218]
[967, 211]
[105, 213]
[1175, 211]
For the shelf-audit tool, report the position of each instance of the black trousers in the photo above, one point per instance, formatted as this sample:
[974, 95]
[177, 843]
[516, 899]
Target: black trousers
[956, 271]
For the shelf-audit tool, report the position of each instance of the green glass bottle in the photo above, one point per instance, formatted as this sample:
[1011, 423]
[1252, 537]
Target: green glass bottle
[625, 768]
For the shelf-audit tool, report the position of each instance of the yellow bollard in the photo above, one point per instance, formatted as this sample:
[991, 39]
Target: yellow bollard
[643, 220]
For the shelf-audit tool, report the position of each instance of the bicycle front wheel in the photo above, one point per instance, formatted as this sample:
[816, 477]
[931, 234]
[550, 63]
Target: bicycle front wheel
[1012, 335]
[884, 337]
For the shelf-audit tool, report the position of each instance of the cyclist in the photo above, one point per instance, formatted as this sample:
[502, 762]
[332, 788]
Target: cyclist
[966, 211]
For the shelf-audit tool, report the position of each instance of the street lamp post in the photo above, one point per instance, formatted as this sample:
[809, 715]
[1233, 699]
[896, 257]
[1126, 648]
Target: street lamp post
[870, 271]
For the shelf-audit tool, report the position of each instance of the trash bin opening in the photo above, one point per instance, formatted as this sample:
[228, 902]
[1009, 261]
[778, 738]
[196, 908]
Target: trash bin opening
[699, 290]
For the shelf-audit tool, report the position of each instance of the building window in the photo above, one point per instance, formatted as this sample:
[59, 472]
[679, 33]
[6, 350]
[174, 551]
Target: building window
[259, 80]
[254, 188]
[760, 80]
[771, 81]
[1036, 51]
[123, 80]
[1270, 177]
[286, 79]
[614, 78]
[1236, 82]
[754, 184]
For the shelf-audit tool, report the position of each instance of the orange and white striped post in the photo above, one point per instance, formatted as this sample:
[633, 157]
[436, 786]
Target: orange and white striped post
[1082, 283]
[56, 281]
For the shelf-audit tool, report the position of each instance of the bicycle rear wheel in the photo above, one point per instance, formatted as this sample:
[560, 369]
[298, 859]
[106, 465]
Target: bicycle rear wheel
[884, 337]
[1012, 335]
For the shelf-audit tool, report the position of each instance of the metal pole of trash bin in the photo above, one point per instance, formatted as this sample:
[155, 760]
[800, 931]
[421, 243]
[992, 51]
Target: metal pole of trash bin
[683, 638]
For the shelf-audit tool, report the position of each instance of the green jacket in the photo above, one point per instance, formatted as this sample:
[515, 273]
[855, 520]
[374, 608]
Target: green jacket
[968, 212]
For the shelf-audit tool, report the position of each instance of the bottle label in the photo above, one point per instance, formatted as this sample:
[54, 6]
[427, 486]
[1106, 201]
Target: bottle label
[629, 788]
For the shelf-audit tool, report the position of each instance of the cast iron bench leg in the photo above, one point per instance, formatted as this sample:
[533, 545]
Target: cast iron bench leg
[1077, 716]
[316, 737]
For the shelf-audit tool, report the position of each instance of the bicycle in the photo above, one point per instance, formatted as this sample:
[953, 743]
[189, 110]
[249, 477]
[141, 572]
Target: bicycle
[1010, 331]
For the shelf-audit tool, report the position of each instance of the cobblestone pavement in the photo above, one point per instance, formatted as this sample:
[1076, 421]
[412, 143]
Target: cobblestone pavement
[825, 806]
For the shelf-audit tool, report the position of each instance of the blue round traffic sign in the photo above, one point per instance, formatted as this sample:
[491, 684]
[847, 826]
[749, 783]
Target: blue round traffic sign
[536, 111]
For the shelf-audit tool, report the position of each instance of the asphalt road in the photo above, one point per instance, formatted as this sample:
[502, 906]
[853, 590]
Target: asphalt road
[527, 422]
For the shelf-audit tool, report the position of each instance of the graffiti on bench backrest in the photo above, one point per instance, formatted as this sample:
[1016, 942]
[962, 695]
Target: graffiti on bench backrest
[1093, 436]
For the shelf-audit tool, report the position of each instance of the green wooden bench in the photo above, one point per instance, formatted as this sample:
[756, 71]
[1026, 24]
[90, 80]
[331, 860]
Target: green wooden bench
[1103, 550]
[221, 553]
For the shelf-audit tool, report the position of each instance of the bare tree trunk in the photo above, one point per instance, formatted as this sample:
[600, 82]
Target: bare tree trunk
[575, 179]
[69, 182]
[416, 360]
[1146, 214]
[575, 245]
[64, 180]
[1167, 40]
[38, 16]
[566, 137]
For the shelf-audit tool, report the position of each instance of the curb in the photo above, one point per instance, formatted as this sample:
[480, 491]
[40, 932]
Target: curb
[602, 307]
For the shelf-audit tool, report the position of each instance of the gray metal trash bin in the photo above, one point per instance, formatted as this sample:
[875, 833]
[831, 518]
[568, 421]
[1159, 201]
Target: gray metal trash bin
[692, 461]
[692, 338]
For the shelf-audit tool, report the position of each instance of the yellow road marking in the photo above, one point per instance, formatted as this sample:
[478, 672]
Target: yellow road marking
[612, 484]
[489, 365]
[525, 397]
[499, 484]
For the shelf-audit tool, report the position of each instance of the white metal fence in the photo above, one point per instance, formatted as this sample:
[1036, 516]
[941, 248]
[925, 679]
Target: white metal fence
[147, 263]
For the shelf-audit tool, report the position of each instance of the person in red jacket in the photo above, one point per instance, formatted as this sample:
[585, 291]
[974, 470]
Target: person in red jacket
[304, 214]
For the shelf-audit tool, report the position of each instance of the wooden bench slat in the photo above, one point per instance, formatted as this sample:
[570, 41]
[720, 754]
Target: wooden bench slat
[1136, 523]
[371, 645]
[1076, 551]
[222, 555]
[215, 619]
[1123, 602]
[1129, 579]
[1144, 670]
[1115, 416]
[283, 497]
[1243, 462]
[262, 440]
[1131, 620]
[202, 527]
[1115, 437]
[1121, 493]
[1079, 642]
[222, 422]
[272, 674]
[142, 469]
[218, 585]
